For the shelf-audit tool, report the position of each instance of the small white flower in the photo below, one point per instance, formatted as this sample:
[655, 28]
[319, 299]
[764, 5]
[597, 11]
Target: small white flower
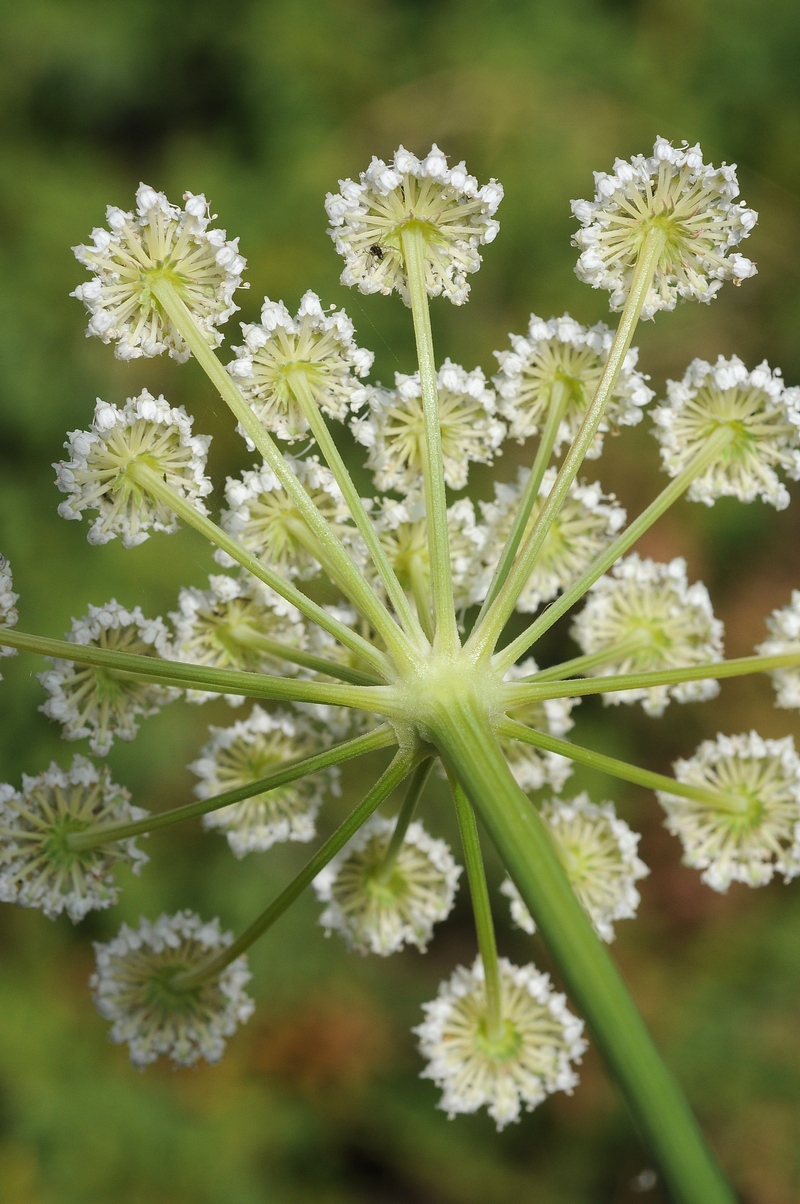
[380, 915]
[158, 242]
[762, 414]
[563, 353]
[531, 767]
[657, 621]
[37, 868]
[132, 988]
[784, 628]
[263, 517]
[102, 703]
[533, 1059]
[8, 612]
[674, 191]
[598, 852]
[317, 344]
[246, 752]
[754, 831]
[445, 203]
[403, 531]
[230, 626]
[584, 526]
[146, 430]
[393, 428]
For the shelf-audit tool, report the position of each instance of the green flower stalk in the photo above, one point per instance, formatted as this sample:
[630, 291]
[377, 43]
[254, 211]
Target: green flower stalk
[412, 654]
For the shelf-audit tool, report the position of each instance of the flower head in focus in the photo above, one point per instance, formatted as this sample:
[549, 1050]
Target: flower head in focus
[690, 201]
[646, 616]
[751, 830]
[247, 751]
[584, 526]
[102, 703]
[761, 415]
[37, 866]
[132, 987]
[316, 347]
[598, 852]
[560, 363]
[393, 428]
[444, 203]
[380, 912]
[784, 628]
[159, 243]
[97, 476]
[533, 1058]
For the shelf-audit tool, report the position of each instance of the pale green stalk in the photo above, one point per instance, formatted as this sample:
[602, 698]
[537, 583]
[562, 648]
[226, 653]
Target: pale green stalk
[592, 660]
[399, 769]
[508, 729]
[531, 691]
[405, 815]
[469, 746]
[504, 659]
[446, 638]
[347, 574]
[301, 390]
[148, 479]
[482, 911]
[377, 699]
[250, 638]
[419, 592]
[559, 397]
[283, 775]
[485, 636]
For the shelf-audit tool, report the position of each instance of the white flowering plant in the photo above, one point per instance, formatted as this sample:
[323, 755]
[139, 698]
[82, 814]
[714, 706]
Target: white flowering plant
[413, 655]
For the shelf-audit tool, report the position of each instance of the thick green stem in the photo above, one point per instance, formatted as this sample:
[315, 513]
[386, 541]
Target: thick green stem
[486, 635]
[290, 771]
[150, 480]
[251, 638]
[509, 729]
[377, 699]
[668, 496]
[414, 253]
[347, 574]
[482, 911]
[559, 397]
[399, 769]
[404, 817]
[470, 749]
[298, 383]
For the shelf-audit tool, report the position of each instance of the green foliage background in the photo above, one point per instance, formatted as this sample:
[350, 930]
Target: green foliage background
[263, 106]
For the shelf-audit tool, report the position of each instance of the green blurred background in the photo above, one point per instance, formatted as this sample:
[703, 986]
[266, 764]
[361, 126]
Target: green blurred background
[263, 106]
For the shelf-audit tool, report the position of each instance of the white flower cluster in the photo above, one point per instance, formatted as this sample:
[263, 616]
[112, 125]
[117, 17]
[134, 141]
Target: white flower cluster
[100, 703]
[598, 852]
[132, 988]
[378, 913]
[264, 519]
[146, 430]
[454, 215]
[542, 1040]
[784, 628]
[8, 612]
[690, 201]
[160, 242]
[37, 866]
[561, 362]
[248, 751]
[315, 345]
[531, 767]
[647, 617]
[232, 625]
[393, 428]
[585, 525]
[753, 830]
[762, 416]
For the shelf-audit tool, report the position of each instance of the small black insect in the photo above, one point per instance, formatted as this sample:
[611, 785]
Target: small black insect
[376, 251]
